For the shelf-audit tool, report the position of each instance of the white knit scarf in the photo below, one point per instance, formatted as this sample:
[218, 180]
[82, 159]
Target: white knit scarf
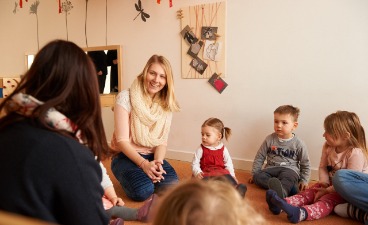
[149, 126]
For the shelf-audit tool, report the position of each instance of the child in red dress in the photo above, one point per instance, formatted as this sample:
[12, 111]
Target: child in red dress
[212, 158]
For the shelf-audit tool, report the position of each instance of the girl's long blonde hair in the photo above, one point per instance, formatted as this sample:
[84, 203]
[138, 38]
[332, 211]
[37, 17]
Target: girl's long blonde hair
[341, 122]
[210, 202]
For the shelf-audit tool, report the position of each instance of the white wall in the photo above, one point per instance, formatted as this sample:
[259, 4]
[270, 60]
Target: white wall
[309, 53]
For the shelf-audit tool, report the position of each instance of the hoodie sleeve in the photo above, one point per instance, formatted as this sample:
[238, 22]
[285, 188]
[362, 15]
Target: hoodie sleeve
[260, 157]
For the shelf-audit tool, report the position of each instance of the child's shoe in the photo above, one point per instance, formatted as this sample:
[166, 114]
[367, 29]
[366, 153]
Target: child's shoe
[342, 210]
[144, 213]
[275, 184]
[348, 210]
[242, 189]
[118, 221]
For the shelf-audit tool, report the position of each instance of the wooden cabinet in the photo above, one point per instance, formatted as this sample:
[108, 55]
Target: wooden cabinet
[107, 100]
[1, 112]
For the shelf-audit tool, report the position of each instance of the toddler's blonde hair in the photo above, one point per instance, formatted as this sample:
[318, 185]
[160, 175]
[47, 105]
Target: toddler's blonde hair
[205, 202]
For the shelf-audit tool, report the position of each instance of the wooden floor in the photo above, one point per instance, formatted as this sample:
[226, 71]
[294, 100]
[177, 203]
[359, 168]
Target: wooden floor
[255, 196]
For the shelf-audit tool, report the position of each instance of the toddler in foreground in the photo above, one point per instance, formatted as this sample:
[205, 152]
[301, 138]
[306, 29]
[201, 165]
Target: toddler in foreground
[205, 202]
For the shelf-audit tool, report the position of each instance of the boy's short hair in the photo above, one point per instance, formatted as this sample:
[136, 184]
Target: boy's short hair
[288, 109]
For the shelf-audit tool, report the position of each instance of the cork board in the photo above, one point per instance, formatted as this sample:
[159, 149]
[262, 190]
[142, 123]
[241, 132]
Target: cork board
[203, 38]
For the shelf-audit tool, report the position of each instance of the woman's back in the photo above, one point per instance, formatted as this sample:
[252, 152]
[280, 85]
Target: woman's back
[49, 176]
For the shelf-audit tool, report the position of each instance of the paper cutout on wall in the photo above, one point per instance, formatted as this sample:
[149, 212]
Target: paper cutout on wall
[65, 7]
[170, 2]
[139, 8]
[33, 10]
[9, 84]
[218, 83]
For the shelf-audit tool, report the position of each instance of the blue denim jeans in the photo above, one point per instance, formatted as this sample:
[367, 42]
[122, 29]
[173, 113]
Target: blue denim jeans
[136, 184]
[353, 187]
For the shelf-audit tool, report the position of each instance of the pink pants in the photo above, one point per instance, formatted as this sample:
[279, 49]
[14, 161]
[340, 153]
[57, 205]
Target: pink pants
[316, 210]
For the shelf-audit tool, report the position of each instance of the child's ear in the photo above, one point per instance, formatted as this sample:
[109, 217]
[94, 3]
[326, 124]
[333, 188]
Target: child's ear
[296, 124]
[220, 136]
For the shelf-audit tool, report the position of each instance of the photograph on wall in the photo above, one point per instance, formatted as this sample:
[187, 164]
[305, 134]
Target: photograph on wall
[208, 33]
[218, 83]
[198, 65]
[188, 35]
[194, 49]
[212, 51]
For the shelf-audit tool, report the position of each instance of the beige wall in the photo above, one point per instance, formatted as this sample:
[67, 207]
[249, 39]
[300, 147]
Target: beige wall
[309, 53]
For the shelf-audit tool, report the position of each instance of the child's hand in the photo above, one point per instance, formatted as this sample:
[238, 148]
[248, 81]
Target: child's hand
[251, 180]
[117, 201]
[199, 175]
[323, 184]
[321, 192]
[303, 186]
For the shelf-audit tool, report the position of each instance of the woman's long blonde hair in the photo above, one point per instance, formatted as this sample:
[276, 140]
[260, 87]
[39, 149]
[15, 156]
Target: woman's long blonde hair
[210, 202]
[166, 97]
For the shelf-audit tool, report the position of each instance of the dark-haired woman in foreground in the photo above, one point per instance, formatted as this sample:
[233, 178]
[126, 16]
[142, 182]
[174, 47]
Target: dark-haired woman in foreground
[50, 138]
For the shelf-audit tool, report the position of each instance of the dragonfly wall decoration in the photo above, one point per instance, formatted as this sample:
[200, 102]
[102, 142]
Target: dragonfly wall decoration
[139, 8]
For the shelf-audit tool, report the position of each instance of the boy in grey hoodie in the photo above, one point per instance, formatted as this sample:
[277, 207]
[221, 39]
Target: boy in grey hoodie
[287, 161]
